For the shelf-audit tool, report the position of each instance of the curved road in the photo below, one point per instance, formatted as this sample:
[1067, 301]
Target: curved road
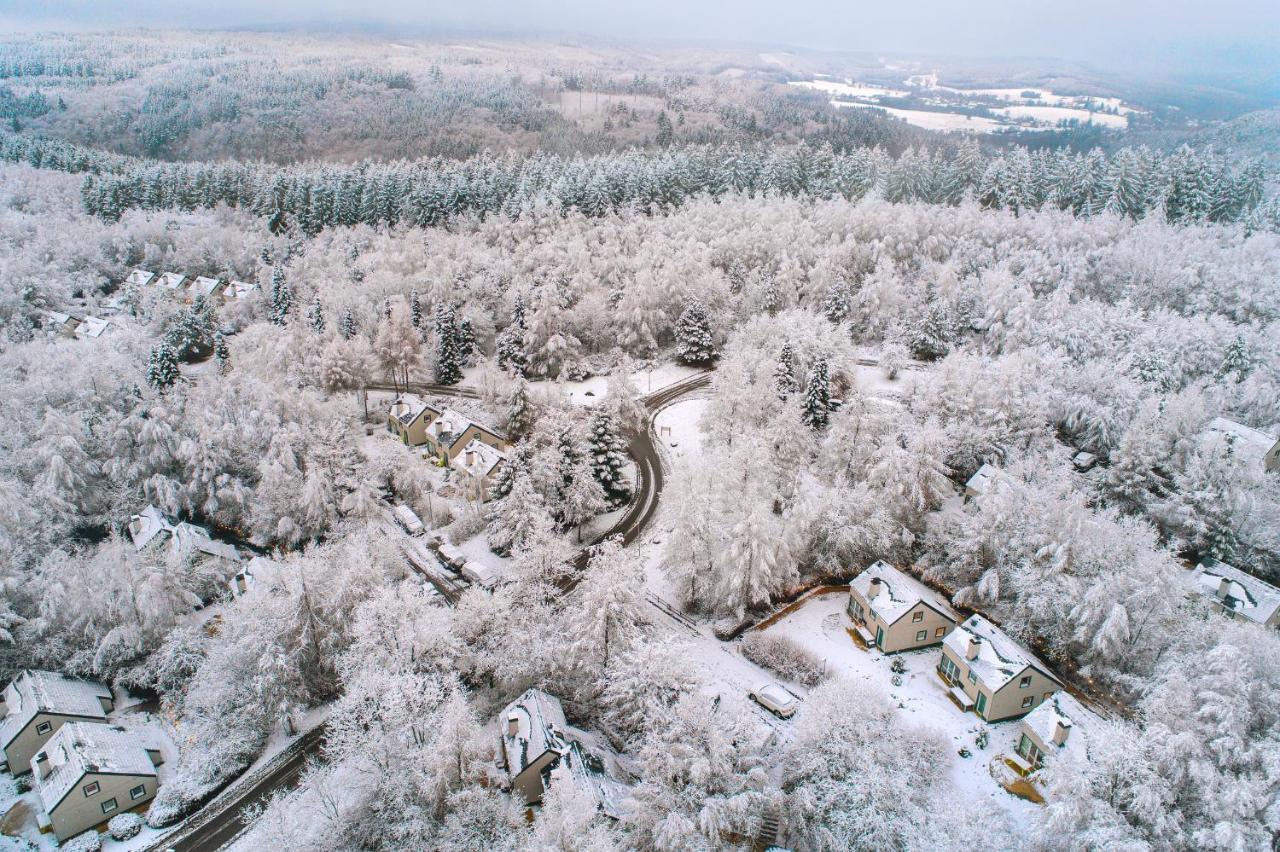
[221, 822]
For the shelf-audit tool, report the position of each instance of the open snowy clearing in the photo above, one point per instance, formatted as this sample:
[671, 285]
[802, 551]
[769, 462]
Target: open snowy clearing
[941, 121]
[1055, 114]
[821, 625]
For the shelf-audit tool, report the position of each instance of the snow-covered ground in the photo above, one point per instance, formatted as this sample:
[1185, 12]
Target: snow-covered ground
[676, 427]
[593, 390]
[1055, 114]
[929, 120]
[821, 625]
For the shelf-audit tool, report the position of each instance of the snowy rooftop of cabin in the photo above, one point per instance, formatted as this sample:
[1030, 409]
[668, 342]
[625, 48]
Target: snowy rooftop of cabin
[1249, 444]
[146, 526]
[205, 285]
[60, 318]
[35, 692]
[540, 727]
[1243, 594]
[999, 660]
[171, 280]
[1061, 707]
[92, 327]
[982, 479]
[407, 407]
[79, 748]
[241, 289]
[899, 593]
[140, 277]
[484, 460]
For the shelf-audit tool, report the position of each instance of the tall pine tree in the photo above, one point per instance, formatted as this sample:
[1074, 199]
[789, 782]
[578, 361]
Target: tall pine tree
[448, 364]
[608, 456]
[694, 343]
[817, 398]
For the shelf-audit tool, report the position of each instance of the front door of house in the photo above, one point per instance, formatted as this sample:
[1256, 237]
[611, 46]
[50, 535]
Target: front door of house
[982, 704]
[880, 638]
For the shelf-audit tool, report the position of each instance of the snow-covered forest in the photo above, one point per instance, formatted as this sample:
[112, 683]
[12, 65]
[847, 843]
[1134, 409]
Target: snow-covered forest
[876, 324]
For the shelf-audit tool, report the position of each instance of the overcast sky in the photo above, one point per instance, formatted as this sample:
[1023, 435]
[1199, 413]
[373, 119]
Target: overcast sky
[1170, 33]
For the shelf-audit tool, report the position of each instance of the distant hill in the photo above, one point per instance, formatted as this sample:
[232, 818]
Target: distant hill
[1254, 134]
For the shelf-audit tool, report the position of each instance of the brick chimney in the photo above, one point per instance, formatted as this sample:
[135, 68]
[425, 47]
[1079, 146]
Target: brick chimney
[1061, 730]
[975, 645]
[874, 589]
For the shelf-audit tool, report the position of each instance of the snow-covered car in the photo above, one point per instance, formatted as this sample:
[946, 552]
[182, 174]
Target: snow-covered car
[407, 520]
[479, 574]
[774, 698]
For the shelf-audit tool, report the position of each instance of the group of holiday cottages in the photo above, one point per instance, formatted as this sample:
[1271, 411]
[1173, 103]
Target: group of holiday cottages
[83, 769]
[176, 282]
[474, 451]
[988, 672]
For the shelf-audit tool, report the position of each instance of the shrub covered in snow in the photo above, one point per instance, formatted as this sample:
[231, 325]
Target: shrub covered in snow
[124, 826]
[783, 657]
[201, 774]
[90, 841]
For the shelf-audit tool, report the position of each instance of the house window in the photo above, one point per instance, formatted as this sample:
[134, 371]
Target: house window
[973, 676]
[922, 635]
[1028, 701]
[138, 792]
[939, 633]
[1025, 682]
[1030, 751]
[44, 727]
[949, 670]
[108, 806]
[917, 616]
[92, 789]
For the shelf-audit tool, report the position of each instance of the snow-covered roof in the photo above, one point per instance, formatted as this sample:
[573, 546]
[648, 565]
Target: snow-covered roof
[1246, 443]
[241, 289]
[171, 280]
[409, 407]
[484, 459]
[80, 748]
[59, 318]
[205, 286]
[999, 660]
[260, 575]
[899, 593]
[92, 327]
[1235, 591]
[33, 692]
[539, 728]
[139, 277]
[1061, 708]
[450, 424]
[982, 479]
[149, 524]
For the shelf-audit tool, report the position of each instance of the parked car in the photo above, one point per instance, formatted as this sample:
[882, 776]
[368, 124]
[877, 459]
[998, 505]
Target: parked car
[451, 555]
[774, 698]
[1083, 461]
[407, 520]
[479, 574]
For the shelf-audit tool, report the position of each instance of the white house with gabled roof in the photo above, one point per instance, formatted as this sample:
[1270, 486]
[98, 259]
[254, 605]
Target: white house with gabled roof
[991, 674]
[139, 278]
[1236, 594]
[207, 287]
[172, 281]
[91, 328]
[982, 481]
[37, 703]
[88, 773]
[1253, 447]
[1057, 730]
[239, 290]
[150, 527]
[893, 611]
[476, 468]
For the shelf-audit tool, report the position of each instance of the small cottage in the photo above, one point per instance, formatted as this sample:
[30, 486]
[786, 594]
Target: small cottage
[37, 703]
[991, 674]
[1236, 594]
[894, 611]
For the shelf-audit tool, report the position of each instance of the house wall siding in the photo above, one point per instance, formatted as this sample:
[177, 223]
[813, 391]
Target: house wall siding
[78, 812]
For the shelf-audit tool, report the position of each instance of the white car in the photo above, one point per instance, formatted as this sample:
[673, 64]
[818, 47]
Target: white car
[774, 698]
[407, 520]
[480, 574]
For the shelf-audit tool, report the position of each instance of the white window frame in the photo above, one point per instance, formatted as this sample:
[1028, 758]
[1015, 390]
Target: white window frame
[138, 792]
[110, 805]
[1028, 701]
[922, 635]
[917, 616]
[93, 788]
[1025, 682]
[44, 728]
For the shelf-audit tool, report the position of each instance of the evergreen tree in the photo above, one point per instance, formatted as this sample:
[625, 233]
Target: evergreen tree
[608, 456]
[694, 343]
[520, 411]
[415, 309]
[666, 133]
[386, 307]
[162, 369]
[784, 375]
[817, 398]
[931, 338]
[448, 364]
[315, 316]
[510, 343]
[838, 303]
[281, 297]
[466, 340]
[221, 354]
[347, 326]
[1235, 360]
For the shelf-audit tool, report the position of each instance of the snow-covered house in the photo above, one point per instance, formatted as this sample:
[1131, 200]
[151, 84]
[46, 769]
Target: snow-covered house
[88, 772]
[238, 290]
[896, 612]
[981, 481]
[207, 287]
[477, 467]
[171, 281]
[1236, 594]
[38, 703]
[409, 417]
[1057, 729]
[139, 278]
[990, 673]
[150, 527]
[1252, 447]
[450, 432]
[536, 750]
[91, 328]
[63, 324]
[260, 576]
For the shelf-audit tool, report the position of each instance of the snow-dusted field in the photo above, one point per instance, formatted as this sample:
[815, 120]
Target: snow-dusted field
[941, 121]
[1055, 114]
